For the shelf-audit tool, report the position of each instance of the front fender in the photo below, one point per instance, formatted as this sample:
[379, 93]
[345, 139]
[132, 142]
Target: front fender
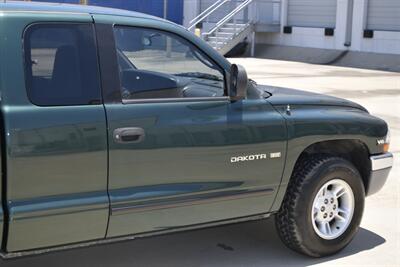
[310, 124]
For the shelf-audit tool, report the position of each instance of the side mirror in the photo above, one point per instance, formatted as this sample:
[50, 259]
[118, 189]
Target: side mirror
[238, 82]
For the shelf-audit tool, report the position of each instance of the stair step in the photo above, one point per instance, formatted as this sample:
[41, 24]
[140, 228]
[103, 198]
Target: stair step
[228, 36]
[217, 47]
[233, 24]
[213, 44]
[226, 29]
[214, 38]
[232, 27]
[215, 41]
[223, 33]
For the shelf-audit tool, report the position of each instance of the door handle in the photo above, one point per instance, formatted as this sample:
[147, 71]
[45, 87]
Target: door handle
[129, 135]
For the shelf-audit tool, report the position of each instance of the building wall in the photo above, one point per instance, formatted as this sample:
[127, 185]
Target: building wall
[307, 19]
[59, 1]
[152, 7]
[352, 19]
[383, 41]
[191, 9]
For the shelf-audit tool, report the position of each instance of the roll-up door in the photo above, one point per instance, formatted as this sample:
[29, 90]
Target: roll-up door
[383, 15]
[312, 13]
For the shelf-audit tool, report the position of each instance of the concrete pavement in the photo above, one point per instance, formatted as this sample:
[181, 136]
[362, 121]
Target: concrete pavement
[256, 243]
[365, 60]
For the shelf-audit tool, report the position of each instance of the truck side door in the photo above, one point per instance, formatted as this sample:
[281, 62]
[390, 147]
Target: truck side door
[54, 131]
[180, 152]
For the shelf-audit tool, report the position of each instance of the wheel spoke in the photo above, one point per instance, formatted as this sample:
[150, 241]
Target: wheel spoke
[341, 218]
[343, 212]
[326, 228]
[340, 191]
[315, 212]
[323, 191]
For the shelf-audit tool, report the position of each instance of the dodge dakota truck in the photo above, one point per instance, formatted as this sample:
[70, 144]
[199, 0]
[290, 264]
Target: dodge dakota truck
[117, 125]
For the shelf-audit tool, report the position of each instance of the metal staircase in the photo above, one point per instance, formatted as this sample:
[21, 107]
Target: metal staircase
[229, 36]
[225, 33]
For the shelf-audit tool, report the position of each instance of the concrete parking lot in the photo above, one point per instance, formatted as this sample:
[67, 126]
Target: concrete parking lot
[256, 243]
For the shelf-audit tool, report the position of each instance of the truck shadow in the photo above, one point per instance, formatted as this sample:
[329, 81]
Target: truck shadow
[245, 244]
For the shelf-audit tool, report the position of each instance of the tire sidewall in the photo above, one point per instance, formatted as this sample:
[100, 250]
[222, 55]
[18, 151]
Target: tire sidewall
[333, 169]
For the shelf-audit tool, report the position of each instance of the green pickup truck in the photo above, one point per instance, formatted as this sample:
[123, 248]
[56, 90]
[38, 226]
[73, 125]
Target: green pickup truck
[117, 125]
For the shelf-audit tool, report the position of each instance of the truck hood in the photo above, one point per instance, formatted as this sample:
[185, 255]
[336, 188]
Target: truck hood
[286, 96]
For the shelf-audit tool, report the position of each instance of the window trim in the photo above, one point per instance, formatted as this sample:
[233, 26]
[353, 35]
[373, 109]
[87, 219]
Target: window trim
[225, 97]
[26, 46]
[173, 100]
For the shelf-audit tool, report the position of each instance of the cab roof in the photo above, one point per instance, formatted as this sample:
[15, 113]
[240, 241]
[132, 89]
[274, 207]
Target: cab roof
[68, 8]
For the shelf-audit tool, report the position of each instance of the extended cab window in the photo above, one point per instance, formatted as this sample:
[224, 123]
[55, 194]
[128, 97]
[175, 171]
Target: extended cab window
[61, 65]
[155, 64]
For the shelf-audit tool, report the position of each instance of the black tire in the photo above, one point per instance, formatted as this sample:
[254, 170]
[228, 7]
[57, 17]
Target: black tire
[294, 219]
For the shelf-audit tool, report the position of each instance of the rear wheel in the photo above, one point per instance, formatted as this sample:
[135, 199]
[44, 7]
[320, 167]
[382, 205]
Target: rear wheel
[323, 206]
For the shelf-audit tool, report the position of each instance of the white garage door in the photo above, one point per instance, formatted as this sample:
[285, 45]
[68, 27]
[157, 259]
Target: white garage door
[312, 13]
[383, 15]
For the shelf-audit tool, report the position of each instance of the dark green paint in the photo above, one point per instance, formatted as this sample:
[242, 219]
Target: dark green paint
[56, 156]
[187, 151]
[319, 118]
[285, 96]
[66, 177]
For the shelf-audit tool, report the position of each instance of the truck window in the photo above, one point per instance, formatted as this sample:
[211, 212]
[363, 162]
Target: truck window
[155, 64]
[61, 65]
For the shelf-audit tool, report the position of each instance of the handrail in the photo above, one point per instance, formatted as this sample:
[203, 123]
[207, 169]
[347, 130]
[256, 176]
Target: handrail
[229, 16]
[206, 13]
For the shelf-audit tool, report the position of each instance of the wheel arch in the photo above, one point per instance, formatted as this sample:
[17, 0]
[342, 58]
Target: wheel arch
[354, 150]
